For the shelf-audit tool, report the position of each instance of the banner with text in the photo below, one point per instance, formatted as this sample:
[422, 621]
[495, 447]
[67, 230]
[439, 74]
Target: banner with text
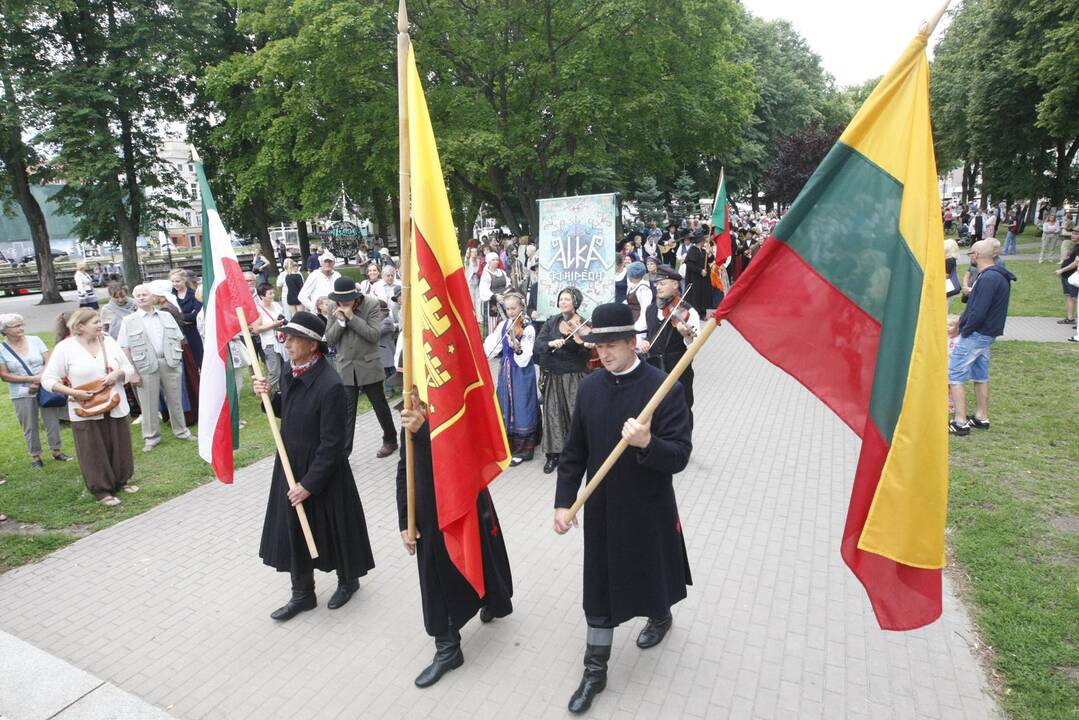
[577, 244]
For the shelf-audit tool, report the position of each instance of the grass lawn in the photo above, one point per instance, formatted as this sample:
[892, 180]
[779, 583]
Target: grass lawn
[1014, 528]
[58, 508]
[1036, 293]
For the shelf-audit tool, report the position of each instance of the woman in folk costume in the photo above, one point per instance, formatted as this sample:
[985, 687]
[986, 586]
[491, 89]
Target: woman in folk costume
[563, 355]
[494, 283]
[513, 339]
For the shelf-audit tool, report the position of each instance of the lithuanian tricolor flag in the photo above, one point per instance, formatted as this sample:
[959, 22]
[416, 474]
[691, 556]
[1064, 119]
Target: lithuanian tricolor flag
[848, 297]
[450, 370]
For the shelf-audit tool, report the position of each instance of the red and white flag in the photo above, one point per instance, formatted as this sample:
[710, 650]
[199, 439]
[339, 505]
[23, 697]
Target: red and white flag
[223, 291]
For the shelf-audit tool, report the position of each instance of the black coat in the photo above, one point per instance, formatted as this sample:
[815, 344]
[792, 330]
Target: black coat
[313, 425]
[444, 592]
[635, 561]
[700, 295]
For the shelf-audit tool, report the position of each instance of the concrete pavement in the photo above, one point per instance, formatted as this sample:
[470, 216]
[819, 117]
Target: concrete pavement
[172, 606]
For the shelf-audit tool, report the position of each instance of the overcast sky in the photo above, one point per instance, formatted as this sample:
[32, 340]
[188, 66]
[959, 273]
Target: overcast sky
[856, 39]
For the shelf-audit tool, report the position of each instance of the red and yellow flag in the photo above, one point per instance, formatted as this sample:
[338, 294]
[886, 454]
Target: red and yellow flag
[450, 370]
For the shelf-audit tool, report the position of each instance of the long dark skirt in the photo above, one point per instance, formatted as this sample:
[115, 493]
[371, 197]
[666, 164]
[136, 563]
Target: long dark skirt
[558, 401]
[103, 448]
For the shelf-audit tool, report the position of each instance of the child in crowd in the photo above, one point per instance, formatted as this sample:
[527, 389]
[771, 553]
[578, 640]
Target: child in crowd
[953, 338]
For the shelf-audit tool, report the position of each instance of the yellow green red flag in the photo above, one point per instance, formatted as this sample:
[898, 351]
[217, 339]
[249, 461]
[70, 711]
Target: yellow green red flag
[450, 370]
[848, 297]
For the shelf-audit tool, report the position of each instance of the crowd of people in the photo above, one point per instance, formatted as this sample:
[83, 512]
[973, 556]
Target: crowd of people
[568, 386]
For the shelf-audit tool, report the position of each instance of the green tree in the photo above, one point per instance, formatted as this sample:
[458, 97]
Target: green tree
[1005, 103]
[793, 92]
[115, 80]
[19, 159]
[533, 99]
[649, 200]
[685, 197]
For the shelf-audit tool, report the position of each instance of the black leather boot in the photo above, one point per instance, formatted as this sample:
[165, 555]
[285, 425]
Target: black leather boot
[654, 631]
[303, 597]
[552, 463]
[594, 680]
[343, 593]
[448, 656]
[301, 600]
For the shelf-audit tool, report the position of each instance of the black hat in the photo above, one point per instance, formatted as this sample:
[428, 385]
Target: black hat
[344, 289]
[306, 325]
[611, 321]
[666, 272]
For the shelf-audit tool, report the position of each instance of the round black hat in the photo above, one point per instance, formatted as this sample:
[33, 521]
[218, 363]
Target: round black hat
[611, 321]
[666, 272]
[344, 289]
[305, 325]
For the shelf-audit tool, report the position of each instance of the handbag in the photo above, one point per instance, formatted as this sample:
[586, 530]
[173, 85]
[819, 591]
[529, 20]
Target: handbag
[1073, 279]
[44, 397]
[102, 399]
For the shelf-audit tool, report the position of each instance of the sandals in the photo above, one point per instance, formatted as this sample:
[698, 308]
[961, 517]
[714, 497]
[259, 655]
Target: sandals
[110, 501]
[130, 488]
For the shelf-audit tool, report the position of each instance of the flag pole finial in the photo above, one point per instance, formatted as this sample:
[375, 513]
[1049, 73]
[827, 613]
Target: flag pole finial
[927, 27]
[402, 17]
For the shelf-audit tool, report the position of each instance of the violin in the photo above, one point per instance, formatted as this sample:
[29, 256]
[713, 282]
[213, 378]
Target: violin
[675, 312]
[570, 328]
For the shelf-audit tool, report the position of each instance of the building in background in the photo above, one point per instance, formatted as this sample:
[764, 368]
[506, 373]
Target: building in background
[186, 231]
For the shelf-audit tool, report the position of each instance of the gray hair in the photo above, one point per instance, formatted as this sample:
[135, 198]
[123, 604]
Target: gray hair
[9, 319]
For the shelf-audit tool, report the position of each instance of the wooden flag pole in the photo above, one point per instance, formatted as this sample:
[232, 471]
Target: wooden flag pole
[405, 224]
[267, 404]
[645, 416]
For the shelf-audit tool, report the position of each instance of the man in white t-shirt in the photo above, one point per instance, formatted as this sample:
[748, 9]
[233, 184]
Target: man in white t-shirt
[319, 283]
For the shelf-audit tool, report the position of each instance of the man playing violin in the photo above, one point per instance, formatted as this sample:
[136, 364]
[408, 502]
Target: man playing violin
[513, 340]
[668, 326]
[564, 357]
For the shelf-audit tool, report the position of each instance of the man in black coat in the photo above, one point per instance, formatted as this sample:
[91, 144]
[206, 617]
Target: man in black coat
[635, 561]
[311, 405]
[449, 600]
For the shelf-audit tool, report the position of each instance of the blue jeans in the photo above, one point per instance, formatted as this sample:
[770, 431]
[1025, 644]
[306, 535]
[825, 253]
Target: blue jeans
[1009, 244]
[969, 359]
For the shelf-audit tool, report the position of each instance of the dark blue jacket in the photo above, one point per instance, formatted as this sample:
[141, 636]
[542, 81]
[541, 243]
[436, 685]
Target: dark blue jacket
[987, 308]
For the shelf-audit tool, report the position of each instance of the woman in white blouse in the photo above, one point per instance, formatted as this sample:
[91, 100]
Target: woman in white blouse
[102, 442]
[84, 287]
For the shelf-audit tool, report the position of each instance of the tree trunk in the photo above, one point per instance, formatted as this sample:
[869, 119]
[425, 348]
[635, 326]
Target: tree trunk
[18, 178]
[965, 193]
[262, 226]
[304, 240]
[128, 243]
[530, 208]
[39, 231]
[14, 153]
[393, 239]
[754, 189]
[378, 202]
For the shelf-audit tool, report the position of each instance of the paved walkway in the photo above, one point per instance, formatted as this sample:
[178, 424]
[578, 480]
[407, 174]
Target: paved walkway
[173, 605]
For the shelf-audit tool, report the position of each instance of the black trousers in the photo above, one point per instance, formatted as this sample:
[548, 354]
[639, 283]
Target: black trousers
[376, 395]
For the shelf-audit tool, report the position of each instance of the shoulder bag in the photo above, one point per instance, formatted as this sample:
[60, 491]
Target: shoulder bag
[44, 397]
[102, 399]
